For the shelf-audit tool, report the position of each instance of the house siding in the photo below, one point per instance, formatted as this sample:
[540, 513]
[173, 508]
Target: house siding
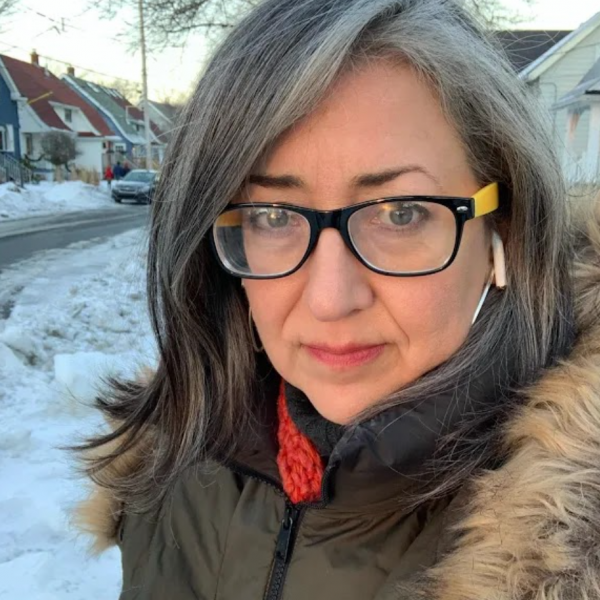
[553, 84]
[89, 154]
[9, 117]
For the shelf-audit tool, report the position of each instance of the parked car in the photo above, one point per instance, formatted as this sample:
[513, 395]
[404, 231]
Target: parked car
[138, 185]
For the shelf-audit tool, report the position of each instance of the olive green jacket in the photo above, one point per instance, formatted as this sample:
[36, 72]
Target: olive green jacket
[528, 529]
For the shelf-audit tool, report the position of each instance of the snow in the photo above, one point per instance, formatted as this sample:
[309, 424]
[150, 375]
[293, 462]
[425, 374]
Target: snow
[51, 198]
[67, 318]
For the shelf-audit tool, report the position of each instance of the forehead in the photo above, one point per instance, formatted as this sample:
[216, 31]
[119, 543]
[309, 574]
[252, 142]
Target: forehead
[381, 116]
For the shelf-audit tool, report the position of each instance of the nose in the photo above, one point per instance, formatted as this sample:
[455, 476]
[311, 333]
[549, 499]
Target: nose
[337, 283]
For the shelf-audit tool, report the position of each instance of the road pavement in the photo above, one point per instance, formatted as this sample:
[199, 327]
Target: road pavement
[21, 238]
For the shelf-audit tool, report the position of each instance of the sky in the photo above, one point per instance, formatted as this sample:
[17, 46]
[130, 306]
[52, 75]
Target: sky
[88, 42]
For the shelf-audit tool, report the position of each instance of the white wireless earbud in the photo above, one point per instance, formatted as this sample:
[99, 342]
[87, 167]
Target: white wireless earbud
[498, 274]
[499, 261]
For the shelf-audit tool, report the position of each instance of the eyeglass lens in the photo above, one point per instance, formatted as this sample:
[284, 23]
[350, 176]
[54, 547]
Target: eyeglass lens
[397, 237]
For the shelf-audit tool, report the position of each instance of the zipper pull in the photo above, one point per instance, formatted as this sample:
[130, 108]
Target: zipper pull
[284, 538]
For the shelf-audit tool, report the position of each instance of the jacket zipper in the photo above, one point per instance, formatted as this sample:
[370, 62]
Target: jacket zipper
[288, 528]
[283, 550]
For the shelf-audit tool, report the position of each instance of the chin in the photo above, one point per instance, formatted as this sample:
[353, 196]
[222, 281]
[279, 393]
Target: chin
[335, 404]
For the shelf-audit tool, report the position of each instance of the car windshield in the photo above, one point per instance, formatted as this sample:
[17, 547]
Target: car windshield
[144, 176]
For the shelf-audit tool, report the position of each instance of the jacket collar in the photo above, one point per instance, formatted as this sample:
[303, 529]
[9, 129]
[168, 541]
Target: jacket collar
[391, 458]
[388, 460]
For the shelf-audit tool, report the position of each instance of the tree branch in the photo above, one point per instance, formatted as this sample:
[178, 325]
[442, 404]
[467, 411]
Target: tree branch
[170, 22]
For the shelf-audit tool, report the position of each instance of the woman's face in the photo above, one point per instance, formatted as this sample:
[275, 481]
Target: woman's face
[345, 336]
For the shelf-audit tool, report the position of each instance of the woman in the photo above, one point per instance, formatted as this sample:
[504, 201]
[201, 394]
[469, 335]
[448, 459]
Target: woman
[379, 369]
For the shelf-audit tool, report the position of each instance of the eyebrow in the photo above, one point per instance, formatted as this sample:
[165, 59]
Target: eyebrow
[367, 180]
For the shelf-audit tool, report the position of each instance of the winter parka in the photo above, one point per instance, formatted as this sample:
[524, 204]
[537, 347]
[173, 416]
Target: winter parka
[528, 529]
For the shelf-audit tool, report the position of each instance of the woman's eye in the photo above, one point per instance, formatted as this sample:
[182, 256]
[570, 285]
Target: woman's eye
[271, 218]
[402, 215]
[277, 218]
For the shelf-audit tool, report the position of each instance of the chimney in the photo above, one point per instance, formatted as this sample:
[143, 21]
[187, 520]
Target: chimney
[71, 71]
[35, 59]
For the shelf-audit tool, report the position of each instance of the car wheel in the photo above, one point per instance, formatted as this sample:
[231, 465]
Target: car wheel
[117, 200]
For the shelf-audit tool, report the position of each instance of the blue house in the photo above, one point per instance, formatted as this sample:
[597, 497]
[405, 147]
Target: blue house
[9, 121]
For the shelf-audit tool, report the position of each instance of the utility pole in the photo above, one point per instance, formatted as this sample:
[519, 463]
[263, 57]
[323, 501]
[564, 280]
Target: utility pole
[146, 102]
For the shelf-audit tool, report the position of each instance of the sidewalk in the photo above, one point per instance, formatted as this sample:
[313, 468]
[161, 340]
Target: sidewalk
[67, 318]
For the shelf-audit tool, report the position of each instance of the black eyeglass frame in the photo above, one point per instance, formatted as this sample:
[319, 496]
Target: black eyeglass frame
[462, 208]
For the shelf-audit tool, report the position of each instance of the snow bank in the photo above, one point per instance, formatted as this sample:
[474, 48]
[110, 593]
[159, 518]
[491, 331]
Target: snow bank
[49, 198]
[80, 376]
[79, 314]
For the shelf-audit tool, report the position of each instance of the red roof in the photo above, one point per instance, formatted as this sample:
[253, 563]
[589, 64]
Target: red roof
[37, 83]
[137, 114]
[134, 111]
[156, 129]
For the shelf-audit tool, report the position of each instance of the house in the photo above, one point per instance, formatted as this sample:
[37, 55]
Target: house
[123, 117]
[11, 168]
[165, 116]
[556, 73]
[9, 120]
[523, 46]
[582, 107]
[45, 103]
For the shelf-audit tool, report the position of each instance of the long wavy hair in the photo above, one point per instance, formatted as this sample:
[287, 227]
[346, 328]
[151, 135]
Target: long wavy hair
[271, 71]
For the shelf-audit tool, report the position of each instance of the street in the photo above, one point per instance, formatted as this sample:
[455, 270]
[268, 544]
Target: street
[21, 238]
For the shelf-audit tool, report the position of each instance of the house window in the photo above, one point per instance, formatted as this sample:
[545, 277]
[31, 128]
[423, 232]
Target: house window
[29, 144]
[68, 115]
[7, 138]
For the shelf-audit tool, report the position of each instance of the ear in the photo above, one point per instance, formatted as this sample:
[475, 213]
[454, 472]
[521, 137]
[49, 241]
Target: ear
[499, 261]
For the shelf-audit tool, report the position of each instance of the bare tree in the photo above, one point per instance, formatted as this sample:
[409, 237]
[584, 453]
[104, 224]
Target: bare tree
[172, 96]
[7, 8]
[170, 22]
[59, 148]
[132, 90]
[494, 14]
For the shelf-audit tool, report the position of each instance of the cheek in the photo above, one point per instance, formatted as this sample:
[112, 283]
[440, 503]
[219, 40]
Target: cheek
[427, 311]
[435, 313]
[271, 302]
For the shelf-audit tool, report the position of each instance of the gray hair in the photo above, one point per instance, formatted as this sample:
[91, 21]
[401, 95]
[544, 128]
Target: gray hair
[271, 71]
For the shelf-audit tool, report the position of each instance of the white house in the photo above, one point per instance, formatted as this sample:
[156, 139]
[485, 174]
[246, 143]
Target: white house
[582, 106]
[45, 103]
[165, 116]
[555, 74]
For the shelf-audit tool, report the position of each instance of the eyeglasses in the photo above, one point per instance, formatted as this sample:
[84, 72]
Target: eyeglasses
[403, 236]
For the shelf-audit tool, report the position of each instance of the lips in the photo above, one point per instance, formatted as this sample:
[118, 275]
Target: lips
[346, 356]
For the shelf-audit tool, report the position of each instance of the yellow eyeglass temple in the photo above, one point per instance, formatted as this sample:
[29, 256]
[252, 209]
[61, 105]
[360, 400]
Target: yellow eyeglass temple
[230, 219]
[487, 199]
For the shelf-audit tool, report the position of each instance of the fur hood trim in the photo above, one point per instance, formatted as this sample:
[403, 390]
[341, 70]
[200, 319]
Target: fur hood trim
[99, 515]
[532, 529]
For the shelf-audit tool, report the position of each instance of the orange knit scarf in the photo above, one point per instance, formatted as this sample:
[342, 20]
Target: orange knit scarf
[300, 465]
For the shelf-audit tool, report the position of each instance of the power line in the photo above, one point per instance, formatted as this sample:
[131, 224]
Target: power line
[66, 22]
[70, 64]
